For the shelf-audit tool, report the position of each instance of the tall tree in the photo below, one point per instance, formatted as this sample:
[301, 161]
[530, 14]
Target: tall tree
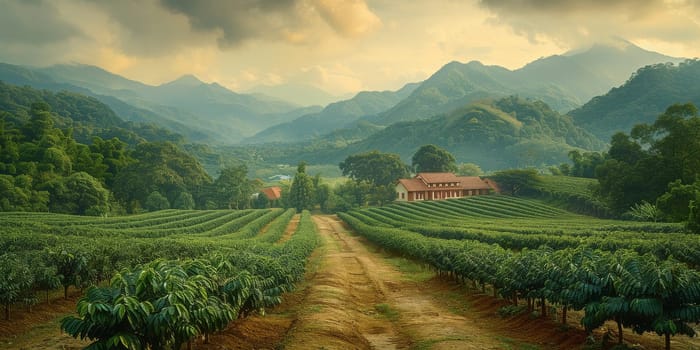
[379, 169]
[431, 158]
[233, 189]
[301, 194]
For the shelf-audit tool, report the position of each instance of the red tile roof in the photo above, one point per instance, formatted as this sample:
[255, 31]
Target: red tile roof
[432, 178]
[413, 185]
[465, 182]
[272, 193]
[473, 183]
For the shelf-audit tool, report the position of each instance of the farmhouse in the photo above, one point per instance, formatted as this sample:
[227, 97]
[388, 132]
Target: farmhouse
[435, 186]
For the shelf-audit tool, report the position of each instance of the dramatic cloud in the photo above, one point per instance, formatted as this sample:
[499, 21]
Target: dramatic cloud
[582, 22]
[289, 20]
[33, 23]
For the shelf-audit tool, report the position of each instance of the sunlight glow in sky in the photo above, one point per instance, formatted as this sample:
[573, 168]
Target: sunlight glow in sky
[341, 46]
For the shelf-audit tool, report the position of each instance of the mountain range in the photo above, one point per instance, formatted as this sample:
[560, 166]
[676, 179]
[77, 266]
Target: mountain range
[202, 112]
[470, 108]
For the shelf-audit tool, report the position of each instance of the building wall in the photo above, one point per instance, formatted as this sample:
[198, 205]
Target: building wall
[402, 194]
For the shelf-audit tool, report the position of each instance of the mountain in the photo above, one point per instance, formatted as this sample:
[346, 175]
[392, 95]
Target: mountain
[496, 134]
[168, 119]
[641, 99]
[85, 116]
[562, 81]
[302, 94]
[210, 109]
[337, 115]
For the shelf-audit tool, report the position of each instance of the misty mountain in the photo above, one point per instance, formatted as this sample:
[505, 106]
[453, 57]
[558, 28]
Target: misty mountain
[338, 115]
[302, 94]
[641, 99]
[496, 134]
[83, 115]
[165, 118]
[211, 109]
[562, 81]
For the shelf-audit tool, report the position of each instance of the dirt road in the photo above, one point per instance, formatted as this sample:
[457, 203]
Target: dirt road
[359, 300]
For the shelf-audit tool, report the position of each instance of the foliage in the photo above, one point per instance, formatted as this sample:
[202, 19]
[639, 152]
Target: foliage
[301, 193]
[15, 280]
[675, 203]
[376, 168]
[156, 201]
[636, 102]
[517, 181]
[640, 167]
[584, 164]
[645, 211]
[431, 158]
[598, 273]
[469, 169]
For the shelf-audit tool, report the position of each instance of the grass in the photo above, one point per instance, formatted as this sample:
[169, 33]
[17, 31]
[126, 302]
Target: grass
[410, 270]
[513, 344]
[428, 343]
[387, 311]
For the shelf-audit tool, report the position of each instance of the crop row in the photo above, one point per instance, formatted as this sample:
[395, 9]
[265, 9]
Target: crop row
[637, 291]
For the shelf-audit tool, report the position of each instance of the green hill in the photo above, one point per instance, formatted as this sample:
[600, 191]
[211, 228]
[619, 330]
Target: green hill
[641, 99]
[496, 134]
[335, 116]
[563, 82]
[86, 116]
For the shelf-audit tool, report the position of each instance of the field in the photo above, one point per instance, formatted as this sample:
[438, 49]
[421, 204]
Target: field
[176, 273]
[482, 272]
[640, 275]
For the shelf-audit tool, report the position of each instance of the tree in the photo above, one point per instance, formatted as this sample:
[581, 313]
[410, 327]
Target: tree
[469, 169]
[516, 181]
[232, 188]
[15, 280]
[71, 268]
[379, 169]
[156, 201]
[675, 203]
[184, 201]
[79, 194]
[640, 166]
[301, 193]
[431, 158]
[161, 167]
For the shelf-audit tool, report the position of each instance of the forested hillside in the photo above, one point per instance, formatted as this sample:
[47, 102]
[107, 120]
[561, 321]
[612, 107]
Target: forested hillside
[496, 134]
[69, 153]
[563, 82]
[200, 111]
[641, 99]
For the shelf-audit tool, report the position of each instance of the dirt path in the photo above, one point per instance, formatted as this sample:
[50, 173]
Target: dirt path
[359, 300]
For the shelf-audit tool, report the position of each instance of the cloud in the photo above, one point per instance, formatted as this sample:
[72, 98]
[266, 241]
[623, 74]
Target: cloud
[293, 21]
[348, 17]
[577, 23]
[33, 23]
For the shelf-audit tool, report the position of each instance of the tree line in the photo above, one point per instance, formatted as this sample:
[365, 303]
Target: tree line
[44, 168]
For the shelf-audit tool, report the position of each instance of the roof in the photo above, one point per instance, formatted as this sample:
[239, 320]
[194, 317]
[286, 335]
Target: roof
[465, 182]
[413, 185]
[272, 193]
[438, 177]
[473, 183]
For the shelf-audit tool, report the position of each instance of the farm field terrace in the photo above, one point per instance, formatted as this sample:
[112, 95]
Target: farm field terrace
[641, 275]
[182, 273]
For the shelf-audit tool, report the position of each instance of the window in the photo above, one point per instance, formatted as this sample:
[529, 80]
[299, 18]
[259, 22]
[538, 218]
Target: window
[403, 195]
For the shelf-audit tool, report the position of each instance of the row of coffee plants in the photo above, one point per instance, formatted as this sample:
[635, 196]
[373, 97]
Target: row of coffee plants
[645, 292]
[167, 303]
[43, 253]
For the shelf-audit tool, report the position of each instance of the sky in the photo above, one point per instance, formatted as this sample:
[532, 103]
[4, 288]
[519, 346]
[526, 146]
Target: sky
[340, 46]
